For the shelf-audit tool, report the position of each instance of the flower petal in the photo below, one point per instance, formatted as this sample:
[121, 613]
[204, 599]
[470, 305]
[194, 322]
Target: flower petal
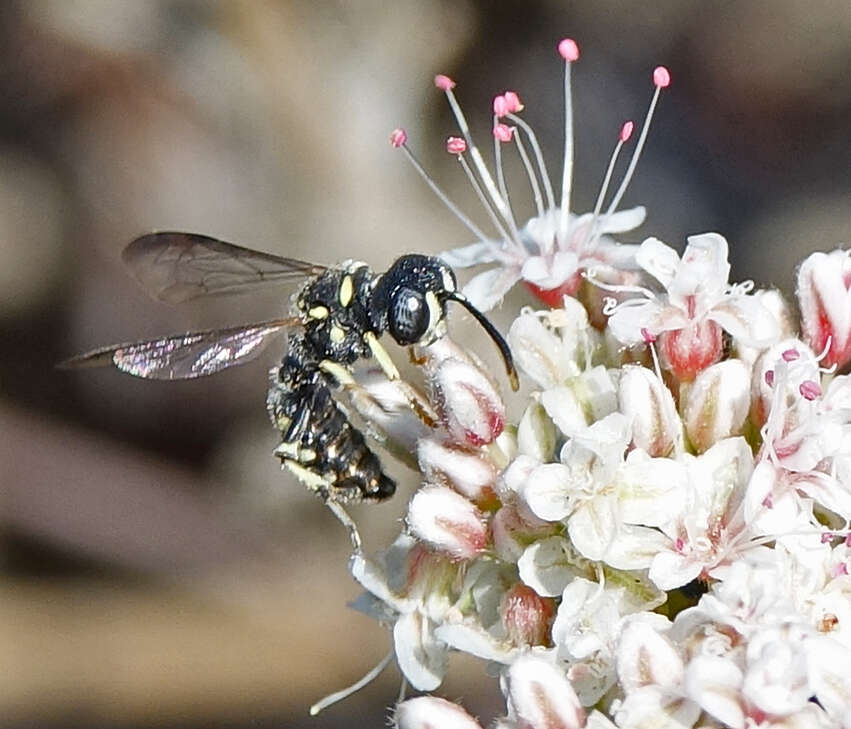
[421, 657]
[487, 289]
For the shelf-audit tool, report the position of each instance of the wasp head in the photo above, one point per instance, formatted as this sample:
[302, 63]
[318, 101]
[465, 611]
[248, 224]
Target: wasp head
[410, 300]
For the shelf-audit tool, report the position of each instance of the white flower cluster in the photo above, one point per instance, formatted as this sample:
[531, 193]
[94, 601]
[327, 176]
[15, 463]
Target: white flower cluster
[663, 538]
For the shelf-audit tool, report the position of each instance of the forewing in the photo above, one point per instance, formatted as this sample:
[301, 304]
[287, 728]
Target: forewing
[175, 267]
[186, 356]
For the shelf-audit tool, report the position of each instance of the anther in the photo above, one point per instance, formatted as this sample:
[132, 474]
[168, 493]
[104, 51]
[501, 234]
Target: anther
[568, 50]
[500, 106]
[398, 137]
[661, 77]
[444, 83]
[648, 336]
[626, 131]
[503, 132]
[456, 145]
[513, 102]
[790, 355]
[809, 390]
[769, 378]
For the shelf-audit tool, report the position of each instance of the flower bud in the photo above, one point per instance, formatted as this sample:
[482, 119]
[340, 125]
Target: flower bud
[447, 521]
[513, 529]
[527, 616]
[427, 712]
[716, 404]
[466, 472]
[643, 398]
[536, 434]
[542, 696]
[824, 296]
[466, 400]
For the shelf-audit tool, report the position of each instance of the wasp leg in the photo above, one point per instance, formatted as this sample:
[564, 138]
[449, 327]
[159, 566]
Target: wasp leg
[418, 404]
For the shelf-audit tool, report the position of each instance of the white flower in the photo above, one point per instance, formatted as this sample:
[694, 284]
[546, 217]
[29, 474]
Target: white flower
[697, 304]
[551, 250]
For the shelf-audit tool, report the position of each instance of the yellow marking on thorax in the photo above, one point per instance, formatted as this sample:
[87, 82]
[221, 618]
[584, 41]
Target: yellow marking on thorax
[347, 290]
[318, 312]
[337, 334]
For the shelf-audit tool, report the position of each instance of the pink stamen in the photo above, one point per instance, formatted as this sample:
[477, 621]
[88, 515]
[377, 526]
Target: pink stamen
[513, 101]
[568, 50]
[500, 106]
[679, 544]
[456, 145]
[840, 569]
[848, 540]
[626, 131]
[826, 538]
[790, 355]
[769, 378]
[661, 77]
[768, 502]
[809, 390]
[444, 83]
[648, 336]
[503, 132]
[398, 137]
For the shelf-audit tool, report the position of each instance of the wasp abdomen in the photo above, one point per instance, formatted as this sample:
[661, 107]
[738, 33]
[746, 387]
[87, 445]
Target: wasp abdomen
[319, 445]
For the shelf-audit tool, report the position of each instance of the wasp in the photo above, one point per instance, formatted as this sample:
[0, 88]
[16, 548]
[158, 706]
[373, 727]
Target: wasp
[336, 319]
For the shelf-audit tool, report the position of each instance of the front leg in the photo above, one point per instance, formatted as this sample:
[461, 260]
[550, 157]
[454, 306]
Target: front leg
[418, 404]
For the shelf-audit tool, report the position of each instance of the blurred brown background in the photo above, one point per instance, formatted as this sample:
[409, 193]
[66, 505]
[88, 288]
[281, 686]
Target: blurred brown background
[159, 570]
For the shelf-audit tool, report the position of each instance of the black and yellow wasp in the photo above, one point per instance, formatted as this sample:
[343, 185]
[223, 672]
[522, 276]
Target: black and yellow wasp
[336, 319]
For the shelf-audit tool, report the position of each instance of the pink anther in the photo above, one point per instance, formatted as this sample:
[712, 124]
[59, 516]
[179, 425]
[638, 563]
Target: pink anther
[456, 145]
[503, 132]
[661, 77]
[568, 50]
[790, 355]
[826, 538]
[398, 137]
[500, 106]
[513, 101]
[809, 390]
[648, 336]
[769, 378]
[626, 131]
[444, 83]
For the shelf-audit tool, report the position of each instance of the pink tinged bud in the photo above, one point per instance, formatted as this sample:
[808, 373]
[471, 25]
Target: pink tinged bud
[568, 50]
[468, 404]
[810, 390]
[626, 131]
[824, 296]
[716, 405]
[398, 137]
[503, 132]
[462, 470]
[688, 351]
[431, 712]
[541, 695]
[444, 83]
[527, 616]
[645, 400]
[456, 145]
[512, 101]
[448, 522]
[661, 77]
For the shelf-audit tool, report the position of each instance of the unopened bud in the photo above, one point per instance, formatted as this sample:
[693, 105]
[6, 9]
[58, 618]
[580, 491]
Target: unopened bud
[824, 295]
[645, 399]
[536, 434]
[466, 400]
[716, 404]
[527, 616]
[429, 712]
[466, 472]
[542, 696]
[513, 529]
[448, 522]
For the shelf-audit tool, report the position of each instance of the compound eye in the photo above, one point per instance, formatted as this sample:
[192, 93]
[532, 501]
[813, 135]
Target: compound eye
[408, 316]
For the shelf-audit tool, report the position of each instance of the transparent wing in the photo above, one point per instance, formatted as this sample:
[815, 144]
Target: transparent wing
[185, 356]
[175, 267]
